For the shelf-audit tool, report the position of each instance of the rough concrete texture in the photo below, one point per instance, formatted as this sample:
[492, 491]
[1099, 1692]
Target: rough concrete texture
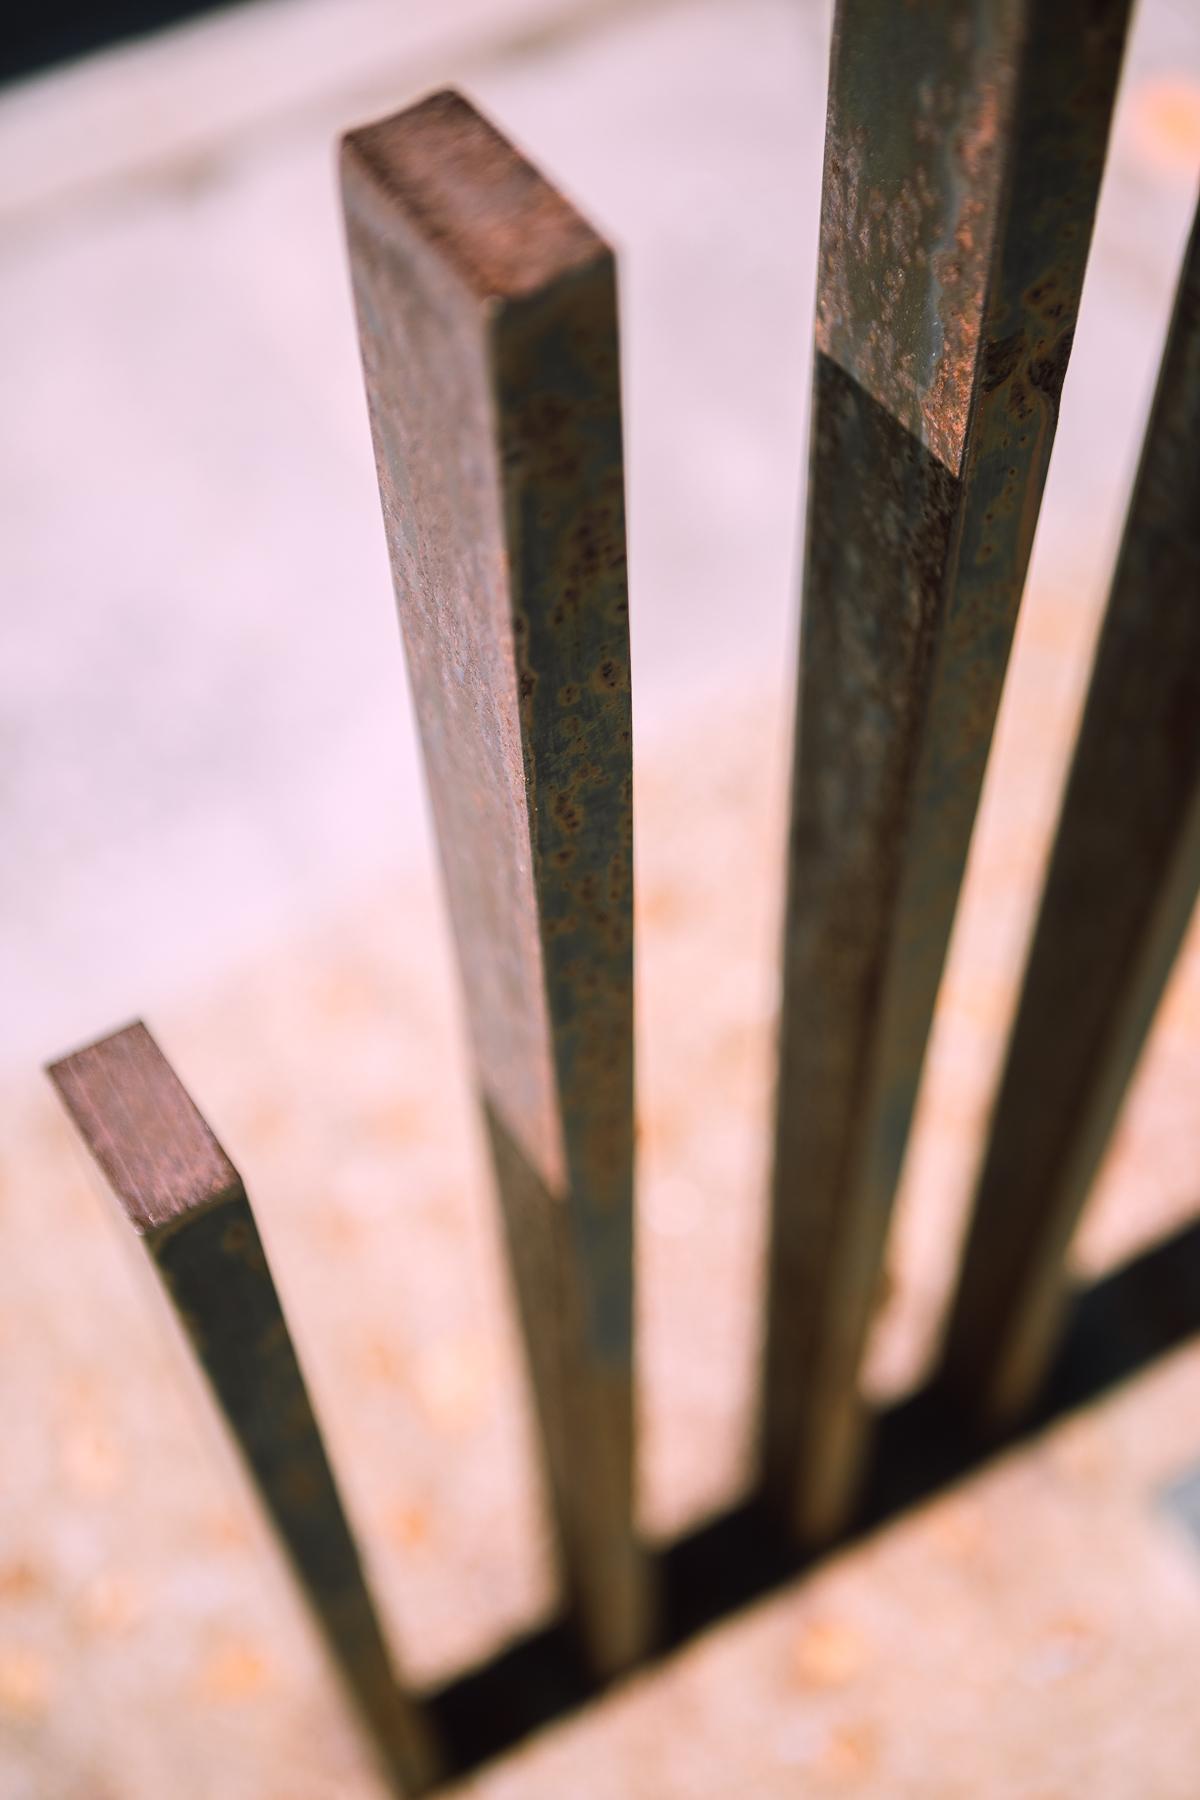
[213, 817]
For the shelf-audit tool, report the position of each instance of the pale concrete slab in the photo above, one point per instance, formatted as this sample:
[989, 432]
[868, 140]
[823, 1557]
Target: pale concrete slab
[213, 815]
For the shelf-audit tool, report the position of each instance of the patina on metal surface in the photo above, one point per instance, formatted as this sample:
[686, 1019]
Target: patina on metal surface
[965, 145]
[487, 317]
[1121, 886]
[186, 1201]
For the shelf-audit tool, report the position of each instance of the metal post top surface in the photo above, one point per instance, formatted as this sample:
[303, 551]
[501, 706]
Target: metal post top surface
[144, 1130]
[469, 193]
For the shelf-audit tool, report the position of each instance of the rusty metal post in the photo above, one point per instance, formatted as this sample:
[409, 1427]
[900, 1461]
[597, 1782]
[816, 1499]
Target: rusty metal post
[186, 1201]
[964, 149]
[488, 322]
[1120, 890]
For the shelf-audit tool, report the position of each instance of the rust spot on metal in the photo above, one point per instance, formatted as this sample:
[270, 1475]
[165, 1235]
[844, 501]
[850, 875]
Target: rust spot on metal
[909, 205]
[1120, 889]
[487, 315]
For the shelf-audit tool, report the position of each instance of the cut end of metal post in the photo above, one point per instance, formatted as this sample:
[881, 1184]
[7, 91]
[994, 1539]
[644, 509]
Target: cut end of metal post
[143, 1129]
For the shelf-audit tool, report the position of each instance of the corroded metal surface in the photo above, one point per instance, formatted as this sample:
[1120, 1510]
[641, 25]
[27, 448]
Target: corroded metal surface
[913, 162]
[187, 1202]
[487, 315]
[1120, 890]
[966, 144]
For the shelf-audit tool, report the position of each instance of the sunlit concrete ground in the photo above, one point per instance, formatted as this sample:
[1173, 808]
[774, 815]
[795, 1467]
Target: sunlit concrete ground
[213, 817]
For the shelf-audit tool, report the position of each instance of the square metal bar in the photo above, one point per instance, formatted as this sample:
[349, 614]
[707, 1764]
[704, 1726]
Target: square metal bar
[488, 322]
[186, 1201]
[964, 148]
[1120, 890]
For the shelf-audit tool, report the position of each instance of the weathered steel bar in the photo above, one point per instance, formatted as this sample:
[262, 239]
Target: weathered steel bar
[186, 1201]
[487, 316]
[964, 148]
[1121, 885]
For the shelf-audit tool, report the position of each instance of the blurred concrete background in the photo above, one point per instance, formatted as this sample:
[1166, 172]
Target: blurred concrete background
[213, 816]
[208, 723]
[221, 738]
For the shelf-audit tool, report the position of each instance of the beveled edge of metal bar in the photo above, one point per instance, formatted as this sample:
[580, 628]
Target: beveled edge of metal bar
[461, 249]
[143, 1129]
[505, 230]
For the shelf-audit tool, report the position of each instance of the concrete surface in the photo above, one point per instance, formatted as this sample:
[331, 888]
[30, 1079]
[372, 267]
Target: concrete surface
[213, 816]
[209, 732]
